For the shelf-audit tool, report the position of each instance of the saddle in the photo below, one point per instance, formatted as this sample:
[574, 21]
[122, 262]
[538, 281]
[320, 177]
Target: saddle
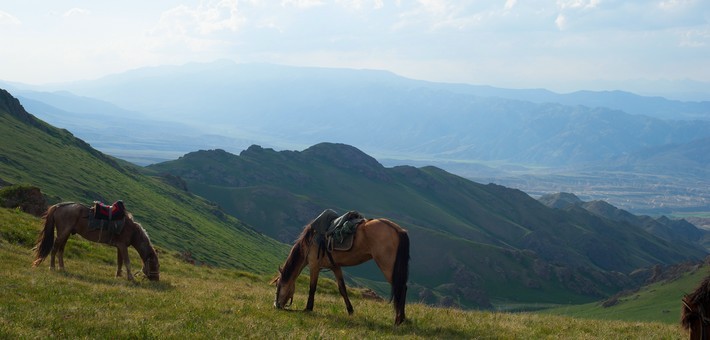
[107, 217]
[113, 212]
[336, 232]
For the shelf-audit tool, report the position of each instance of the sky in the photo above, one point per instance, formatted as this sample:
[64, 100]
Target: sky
[562, 45]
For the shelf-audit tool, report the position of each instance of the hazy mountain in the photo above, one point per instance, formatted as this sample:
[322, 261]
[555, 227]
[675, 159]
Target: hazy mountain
[656, 107]
[663, 227]
[481, 243]
[126, 134]
[684, 159]
[387, 114]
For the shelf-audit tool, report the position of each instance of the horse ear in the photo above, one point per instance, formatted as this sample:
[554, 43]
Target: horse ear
[277, 277]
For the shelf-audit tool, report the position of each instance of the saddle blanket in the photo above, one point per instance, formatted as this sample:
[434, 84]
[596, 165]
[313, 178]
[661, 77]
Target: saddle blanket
[113, 227]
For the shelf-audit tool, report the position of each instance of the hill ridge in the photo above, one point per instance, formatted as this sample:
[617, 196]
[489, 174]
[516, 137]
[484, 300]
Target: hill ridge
[526, 245]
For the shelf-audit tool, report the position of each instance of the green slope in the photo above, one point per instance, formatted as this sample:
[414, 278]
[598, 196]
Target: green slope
[473, 245]
[656, 302]
[190, 302]
[68, 169]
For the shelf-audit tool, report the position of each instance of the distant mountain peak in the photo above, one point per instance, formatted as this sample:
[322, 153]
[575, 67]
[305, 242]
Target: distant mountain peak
[255, 150]
[341, 153]
[12, 106]
[560, 200]
[347, 157]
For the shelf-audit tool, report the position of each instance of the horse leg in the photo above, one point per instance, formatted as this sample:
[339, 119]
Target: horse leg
[312, 288]
[119, 262]
[341, 287]
[123, 253]
[386, 262]
[58, 248]
[52, 255]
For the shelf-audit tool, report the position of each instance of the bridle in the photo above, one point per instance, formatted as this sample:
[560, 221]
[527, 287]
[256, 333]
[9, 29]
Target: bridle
[151, 273]
[276, 299]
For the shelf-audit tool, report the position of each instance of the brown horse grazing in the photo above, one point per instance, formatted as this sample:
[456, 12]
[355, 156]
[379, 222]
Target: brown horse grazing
[73, 218]
[694, 311]
[378, 239]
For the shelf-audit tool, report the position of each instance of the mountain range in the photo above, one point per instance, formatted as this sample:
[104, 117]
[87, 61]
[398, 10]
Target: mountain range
[296, 107]
[474, 245]
[620, 146]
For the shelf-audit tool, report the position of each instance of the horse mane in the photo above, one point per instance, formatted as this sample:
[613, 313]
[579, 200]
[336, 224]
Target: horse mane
[141, 236]
[700, 298]
[297, 252]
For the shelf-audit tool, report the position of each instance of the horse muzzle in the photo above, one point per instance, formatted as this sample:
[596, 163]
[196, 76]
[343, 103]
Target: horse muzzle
[285, 305]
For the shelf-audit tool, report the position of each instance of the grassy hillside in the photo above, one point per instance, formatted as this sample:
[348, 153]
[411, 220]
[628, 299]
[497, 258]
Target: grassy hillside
[657, 302]
[86, 301]
[68, 169]
[473, 245]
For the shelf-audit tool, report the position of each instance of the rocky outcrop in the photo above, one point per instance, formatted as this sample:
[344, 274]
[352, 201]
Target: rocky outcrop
[27, 198]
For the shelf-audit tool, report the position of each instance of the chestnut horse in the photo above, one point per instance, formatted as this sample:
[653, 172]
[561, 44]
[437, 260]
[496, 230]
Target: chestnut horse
[378, 239]
[694, 311]
[73, 218]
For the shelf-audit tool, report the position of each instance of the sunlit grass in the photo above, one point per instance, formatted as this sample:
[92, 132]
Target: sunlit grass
[87, 301]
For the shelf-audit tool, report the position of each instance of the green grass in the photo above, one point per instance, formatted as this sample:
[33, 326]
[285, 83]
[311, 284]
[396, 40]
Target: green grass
[657, 302]
[86, 301]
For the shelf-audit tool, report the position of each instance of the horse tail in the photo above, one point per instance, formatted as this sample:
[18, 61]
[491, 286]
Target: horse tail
[45, 239]
[400, 275]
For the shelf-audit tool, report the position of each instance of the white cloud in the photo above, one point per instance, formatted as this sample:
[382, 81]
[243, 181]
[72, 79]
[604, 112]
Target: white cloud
[561, 22]
[577, 4]
[7, 19]
[435, 7]
[449, 40]
[695, 38]
[208, 18]
[675, 4]
[76, 12]
[223, 15]
[302, 3]
[361, 4]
